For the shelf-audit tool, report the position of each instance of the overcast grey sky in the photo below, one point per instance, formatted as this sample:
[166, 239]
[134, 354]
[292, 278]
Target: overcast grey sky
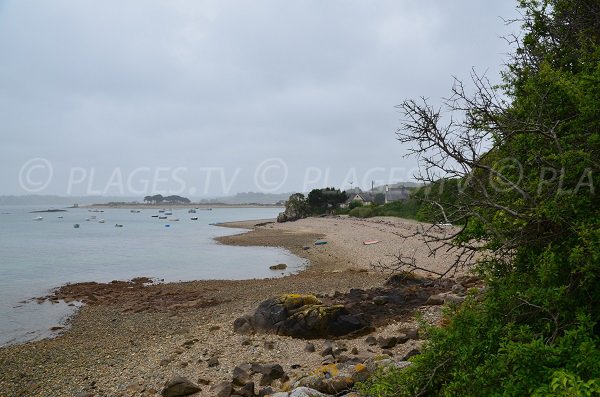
[215, 97]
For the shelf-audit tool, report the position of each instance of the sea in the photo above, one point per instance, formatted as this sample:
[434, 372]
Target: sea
[37, 256]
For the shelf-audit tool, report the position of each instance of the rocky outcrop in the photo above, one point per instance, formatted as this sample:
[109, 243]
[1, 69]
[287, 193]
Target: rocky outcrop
[337, 378]
[295, 208]
[301, 316]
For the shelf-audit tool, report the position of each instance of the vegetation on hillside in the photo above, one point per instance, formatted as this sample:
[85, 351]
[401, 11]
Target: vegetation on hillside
[529, 206]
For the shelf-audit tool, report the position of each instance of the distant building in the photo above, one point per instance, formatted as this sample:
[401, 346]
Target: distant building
[364, 198]
[396, 194]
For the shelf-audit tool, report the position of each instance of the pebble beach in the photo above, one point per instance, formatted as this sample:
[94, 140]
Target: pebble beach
[130, 338]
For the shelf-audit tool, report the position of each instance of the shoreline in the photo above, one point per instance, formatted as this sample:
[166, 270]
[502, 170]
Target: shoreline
[129, 341]
[203, 206]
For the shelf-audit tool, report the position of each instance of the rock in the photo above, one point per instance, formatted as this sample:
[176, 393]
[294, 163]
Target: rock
[411, 333]
[458, 288]
[280, 266]
[243, 325]
[387, 343]
[381, 300]
[354, 351]
[435, 300]
[378, 362]
[179, 386]
[360, 373]
[402, 338]
[309, 347]
[164, 362]
[267, 391]
[329, 359]
[305, 392]
[247, 390]
[213, 361]
[410, 354]
[214, 328]
[328, 379]
[452, 298]
[84, 394]
[240, 375]
[246, 342]
[327, 351]
[279, 394]
[269, 372]
[203, 381]
[223, 389]
[370, 340]
[301, 316]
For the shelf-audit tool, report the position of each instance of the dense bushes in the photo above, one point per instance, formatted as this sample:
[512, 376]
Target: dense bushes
[529, 206]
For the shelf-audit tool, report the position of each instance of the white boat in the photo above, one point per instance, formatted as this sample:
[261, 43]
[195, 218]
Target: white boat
[174, 220]
[169, 213]
[39, 218]
[101, 221]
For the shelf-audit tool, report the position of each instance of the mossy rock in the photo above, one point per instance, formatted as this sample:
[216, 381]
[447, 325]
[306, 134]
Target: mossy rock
[303, 316]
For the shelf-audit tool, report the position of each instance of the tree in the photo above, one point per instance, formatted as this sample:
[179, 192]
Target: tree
[527, 207]
[322, 200]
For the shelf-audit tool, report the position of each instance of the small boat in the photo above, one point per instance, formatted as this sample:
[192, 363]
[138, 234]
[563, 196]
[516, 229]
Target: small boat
[174, 219]
[118, 225]
[60, 217]
[169, 213]
[76, 226]
[192, 211]
[161, 211]
[194, 218]
[93, 217]
[162, 217]
[135, 211]
[87, 219]
[39, 218]
[370, 242]
[167, 225]
[101, 221]
[320, 242]
[154, 216]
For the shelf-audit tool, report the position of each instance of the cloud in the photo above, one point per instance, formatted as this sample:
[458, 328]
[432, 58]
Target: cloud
[227, 83]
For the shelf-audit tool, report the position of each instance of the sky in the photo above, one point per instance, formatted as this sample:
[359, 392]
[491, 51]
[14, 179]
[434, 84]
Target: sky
[210, 98]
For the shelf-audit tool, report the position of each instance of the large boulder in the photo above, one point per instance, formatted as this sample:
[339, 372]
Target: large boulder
[301, 316]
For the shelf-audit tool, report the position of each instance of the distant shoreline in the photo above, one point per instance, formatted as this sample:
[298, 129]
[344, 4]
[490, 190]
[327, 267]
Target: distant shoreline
[165, 205]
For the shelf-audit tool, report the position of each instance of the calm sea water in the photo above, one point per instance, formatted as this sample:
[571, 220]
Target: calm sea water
[36, 256]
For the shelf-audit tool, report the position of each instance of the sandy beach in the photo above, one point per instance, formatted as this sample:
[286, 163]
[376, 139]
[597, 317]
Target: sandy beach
[130, 338]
